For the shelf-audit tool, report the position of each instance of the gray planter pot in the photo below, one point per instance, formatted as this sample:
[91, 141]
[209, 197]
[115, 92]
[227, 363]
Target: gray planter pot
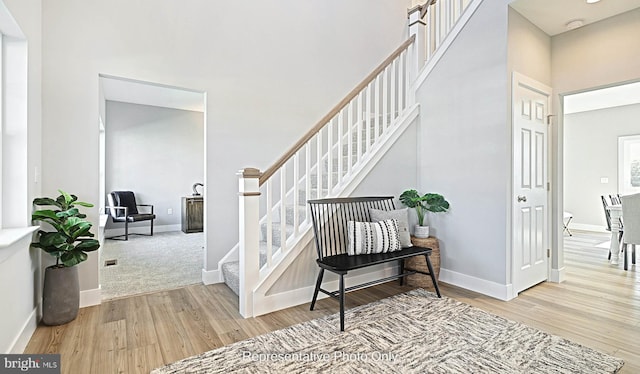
[421, 231]
[61, 295]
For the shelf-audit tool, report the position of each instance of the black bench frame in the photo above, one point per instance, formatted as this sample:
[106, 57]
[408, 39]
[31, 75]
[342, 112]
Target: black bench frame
[330, 220]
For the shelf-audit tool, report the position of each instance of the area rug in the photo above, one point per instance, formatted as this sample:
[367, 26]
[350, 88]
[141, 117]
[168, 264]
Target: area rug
[414, 332]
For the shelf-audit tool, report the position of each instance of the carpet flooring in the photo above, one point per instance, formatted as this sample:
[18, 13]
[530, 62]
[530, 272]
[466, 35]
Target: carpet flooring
[414, 332]
[166, 260]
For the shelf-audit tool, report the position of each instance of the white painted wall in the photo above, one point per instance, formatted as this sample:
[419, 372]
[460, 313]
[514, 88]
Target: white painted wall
[270, 70]
[591, 153]
[158, 153]
[465, 150]
[529, 49]
[20, 273]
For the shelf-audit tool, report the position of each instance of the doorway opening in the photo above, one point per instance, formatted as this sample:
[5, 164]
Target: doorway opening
[601, 156]
[151, 143]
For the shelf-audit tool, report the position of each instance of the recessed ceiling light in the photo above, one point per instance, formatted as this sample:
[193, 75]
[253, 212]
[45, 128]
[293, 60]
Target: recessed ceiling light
[574, 24]
[592, 1]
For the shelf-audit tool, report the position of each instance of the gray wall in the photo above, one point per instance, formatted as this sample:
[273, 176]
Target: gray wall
[464, 147]
[270, 70]
[591, 152]
[158, 153]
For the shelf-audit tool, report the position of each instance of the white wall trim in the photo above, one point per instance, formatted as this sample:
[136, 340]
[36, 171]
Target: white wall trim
[264, 304]
[558, 275]
[212, 276]
[587, 227]
[141, 229]
[91, 297]
[20, 343]
[483, 286]
[231, 256]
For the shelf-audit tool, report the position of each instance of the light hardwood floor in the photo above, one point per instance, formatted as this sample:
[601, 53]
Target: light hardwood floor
[597, 306]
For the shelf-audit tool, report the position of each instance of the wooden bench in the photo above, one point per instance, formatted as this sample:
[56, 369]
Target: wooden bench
[330, 223]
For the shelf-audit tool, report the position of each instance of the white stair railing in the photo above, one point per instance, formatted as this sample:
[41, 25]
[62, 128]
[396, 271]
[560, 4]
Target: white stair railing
[323, 161]
[439, 16]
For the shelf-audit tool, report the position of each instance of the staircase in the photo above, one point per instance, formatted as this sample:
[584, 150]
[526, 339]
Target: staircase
[333, 157]
[332, 170]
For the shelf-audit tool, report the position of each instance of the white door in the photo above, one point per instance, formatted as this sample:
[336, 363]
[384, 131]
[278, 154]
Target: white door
[531, 102]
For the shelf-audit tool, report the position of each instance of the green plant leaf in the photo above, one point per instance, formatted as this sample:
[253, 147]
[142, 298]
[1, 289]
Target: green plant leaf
[82, 203]
[45, 201]
[40, 215]
[69, 259]
[88, 245]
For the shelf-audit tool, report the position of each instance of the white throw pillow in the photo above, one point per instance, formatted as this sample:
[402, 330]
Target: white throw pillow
[373, 237]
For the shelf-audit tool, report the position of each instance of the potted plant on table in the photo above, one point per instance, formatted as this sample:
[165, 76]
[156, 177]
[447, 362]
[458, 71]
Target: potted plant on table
[429, 202]
[69, 244]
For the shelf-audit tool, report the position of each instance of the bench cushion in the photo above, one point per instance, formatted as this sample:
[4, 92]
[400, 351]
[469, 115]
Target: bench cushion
[345, 262]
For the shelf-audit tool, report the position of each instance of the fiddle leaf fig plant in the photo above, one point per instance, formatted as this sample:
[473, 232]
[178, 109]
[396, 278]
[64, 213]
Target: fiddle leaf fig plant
[429, 202]
[72, 239]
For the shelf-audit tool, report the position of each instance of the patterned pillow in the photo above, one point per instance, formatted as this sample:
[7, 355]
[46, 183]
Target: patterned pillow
[373, 237]
[402, 215]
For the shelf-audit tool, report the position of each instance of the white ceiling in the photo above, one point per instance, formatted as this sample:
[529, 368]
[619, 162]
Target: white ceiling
[146, 93]
[552, 16]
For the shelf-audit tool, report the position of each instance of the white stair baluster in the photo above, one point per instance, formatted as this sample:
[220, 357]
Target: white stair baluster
[340, 150]
[394, 89]
[296, 191]
[307, 179]
[359, 127]
[385, 99]
[368, 118]
[269, 197]
[283, 209]
[330, 157]
[376, 122]
[319, 165]
[349, 137]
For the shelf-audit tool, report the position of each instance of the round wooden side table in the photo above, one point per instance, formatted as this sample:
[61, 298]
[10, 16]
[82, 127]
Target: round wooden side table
[419, 263]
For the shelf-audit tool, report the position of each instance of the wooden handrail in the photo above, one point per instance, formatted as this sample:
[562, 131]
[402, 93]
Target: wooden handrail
[320, 124]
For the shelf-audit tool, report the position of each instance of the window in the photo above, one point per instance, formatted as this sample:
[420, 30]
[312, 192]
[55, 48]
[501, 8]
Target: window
[629, 164]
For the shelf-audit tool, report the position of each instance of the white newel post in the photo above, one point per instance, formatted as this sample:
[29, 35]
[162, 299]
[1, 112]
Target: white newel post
[418, 50]
[249, 200]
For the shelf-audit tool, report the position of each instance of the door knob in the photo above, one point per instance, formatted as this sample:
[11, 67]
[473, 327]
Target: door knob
[522, 199]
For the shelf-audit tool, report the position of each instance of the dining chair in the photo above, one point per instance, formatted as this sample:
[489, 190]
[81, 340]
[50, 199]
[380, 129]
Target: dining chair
[607, 216]
[631, 219]
[615, 199]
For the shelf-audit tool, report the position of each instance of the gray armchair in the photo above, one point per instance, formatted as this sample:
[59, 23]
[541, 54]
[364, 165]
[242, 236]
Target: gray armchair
[124, 208]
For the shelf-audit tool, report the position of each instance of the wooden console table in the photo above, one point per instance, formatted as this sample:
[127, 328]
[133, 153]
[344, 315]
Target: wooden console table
[192, 214]
[419, 263]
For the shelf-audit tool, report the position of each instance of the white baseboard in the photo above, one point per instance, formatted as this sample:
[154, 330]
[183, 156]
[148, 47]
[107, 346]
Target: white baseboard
[271, 303]
[20, 343]
[483, 286]
[91, 297]
[557, 275]
[211, 276]
[141, 229]
[587, 227]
